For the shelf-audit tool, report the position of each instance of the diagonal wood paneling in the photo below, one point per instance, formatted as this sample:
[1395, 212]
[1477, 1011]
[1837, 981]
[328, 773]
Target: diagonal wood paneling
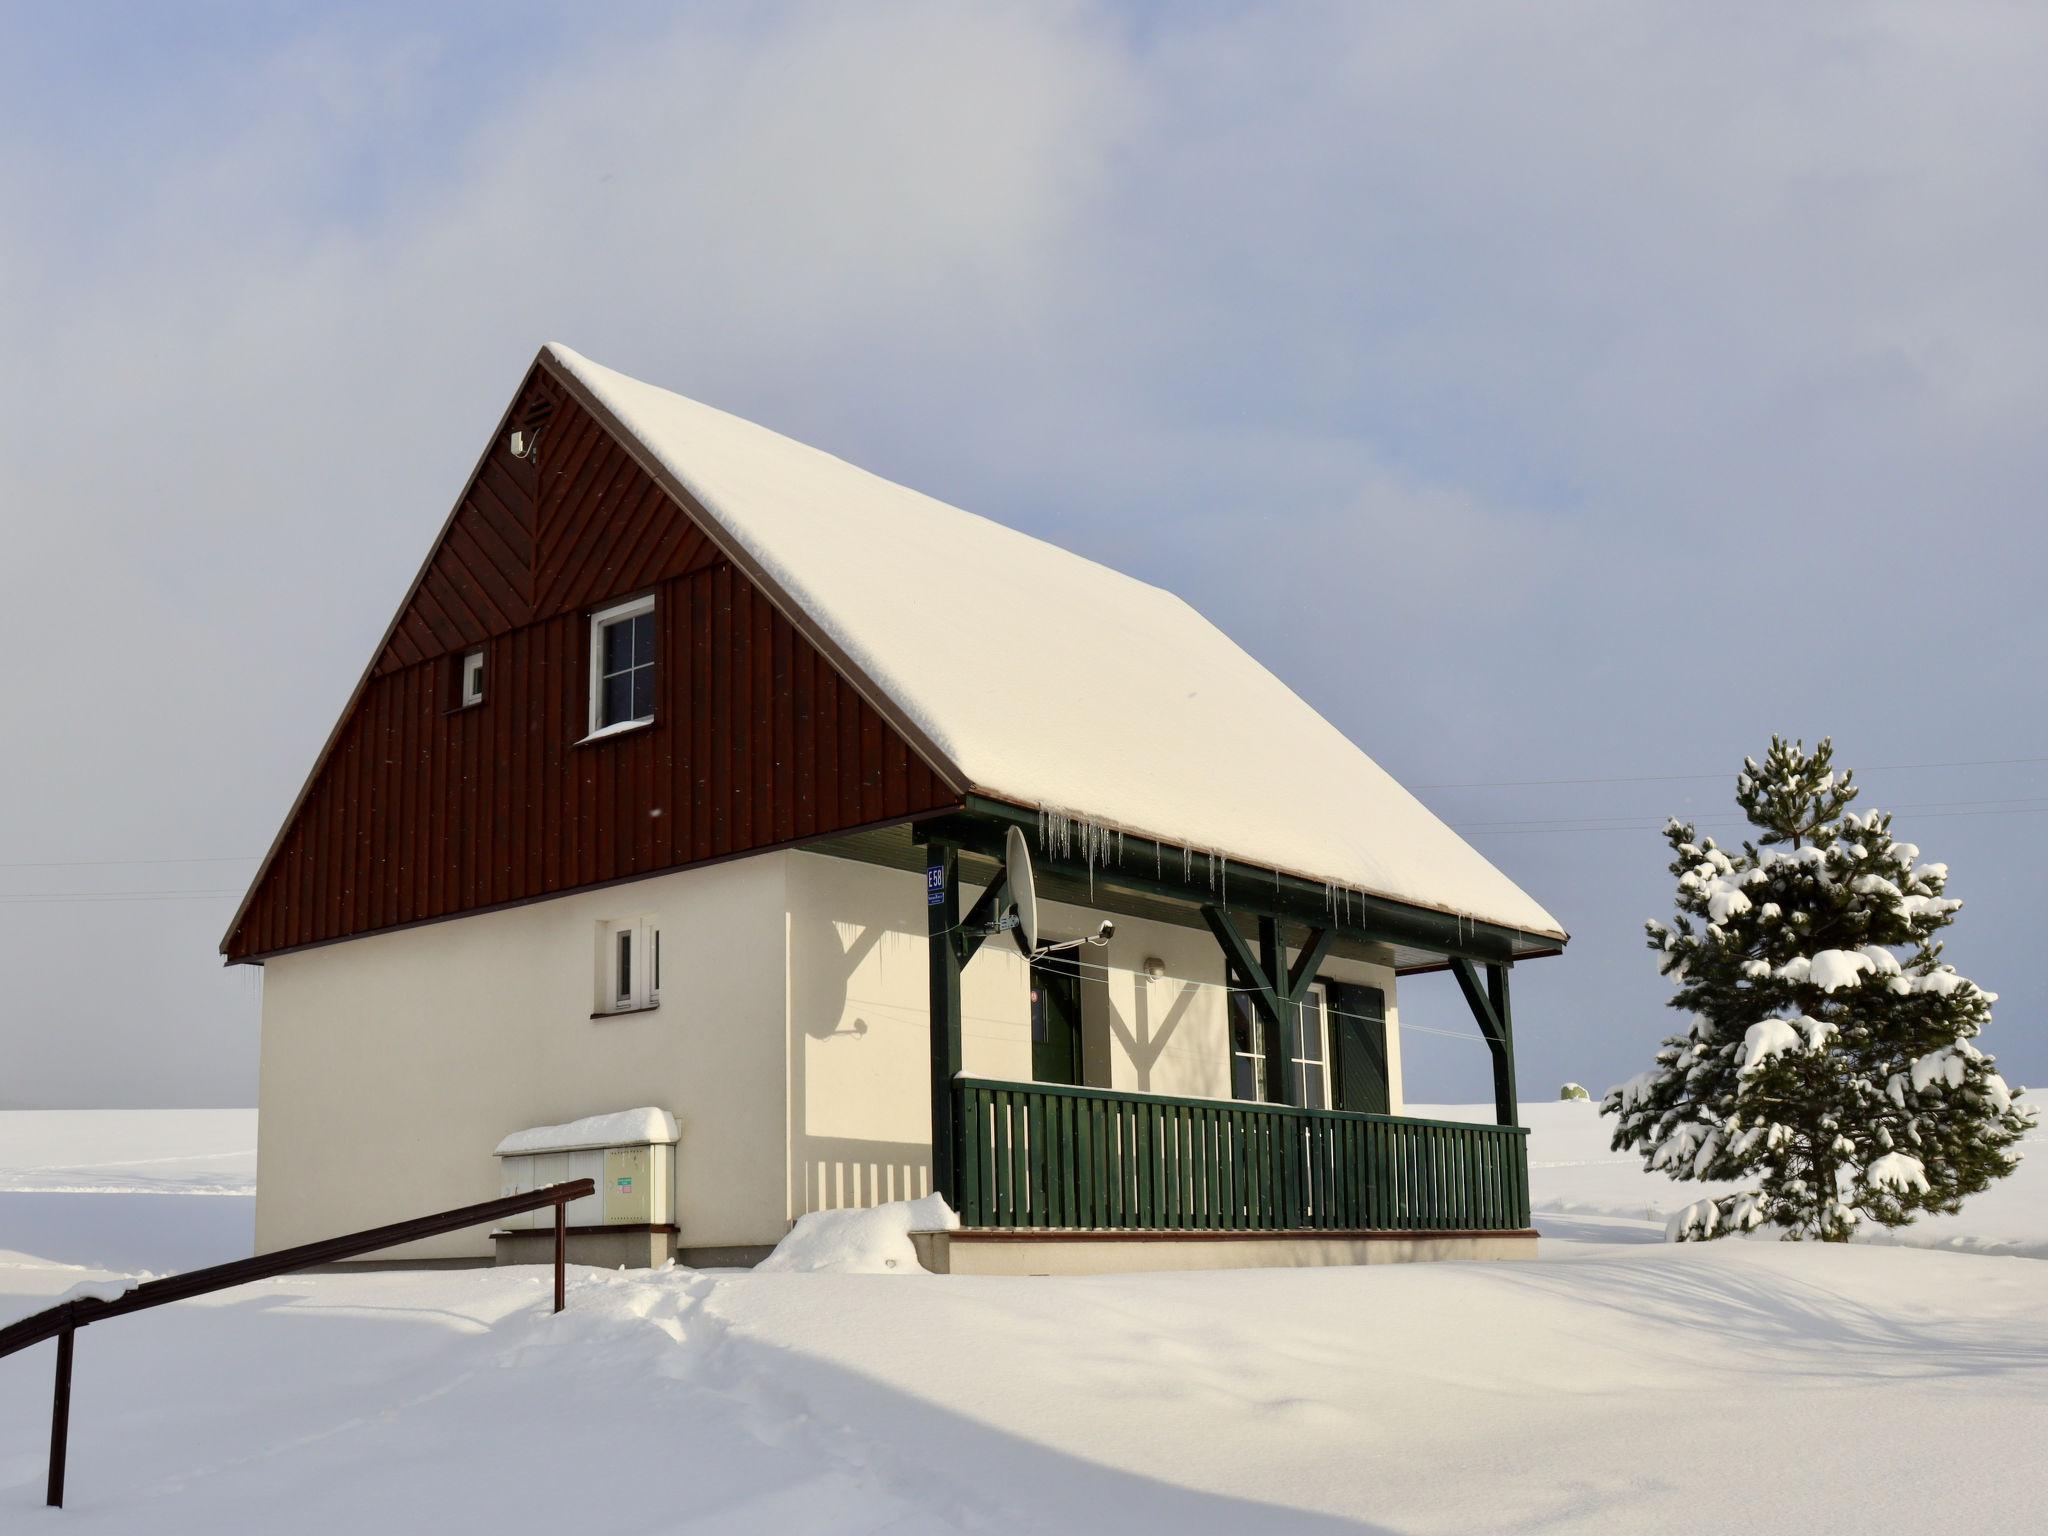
[423, 810]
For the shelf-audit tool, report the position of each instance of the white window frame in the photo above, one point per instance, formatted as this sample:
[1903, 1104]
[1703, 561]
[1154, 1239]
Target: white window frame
[640, 987]
[1300, 1064]
[472, 679]
[600, 621]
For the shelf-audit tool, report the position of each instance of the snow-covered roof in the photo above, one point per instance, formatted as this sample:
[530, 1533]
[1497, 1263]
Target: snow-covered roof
[620, 1128]
[1131, 710]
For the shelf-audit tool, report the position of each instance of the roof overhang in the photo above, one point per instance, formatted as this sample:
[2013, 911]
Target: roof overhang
[1158, 871]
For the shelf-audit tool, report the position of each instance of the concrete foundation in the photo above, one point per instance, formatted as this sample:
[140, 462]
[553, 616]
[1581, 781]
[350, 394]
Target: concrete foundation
[601, 1247]
[724, 1258]
[1111, 1253]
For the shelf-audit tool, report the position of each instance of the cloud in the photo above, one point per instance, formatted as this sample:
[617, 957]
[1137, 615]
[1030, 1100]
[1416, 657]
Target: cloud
[1592, 384]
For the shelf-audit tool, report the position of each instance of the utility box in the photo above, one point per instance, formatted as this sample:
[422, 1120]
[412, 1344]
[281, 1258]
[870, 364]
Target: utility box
[630, 1220]
[628, 1183]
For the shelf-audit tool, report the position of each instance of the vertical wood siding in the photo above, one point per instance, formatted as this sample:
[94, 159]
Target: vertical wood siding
[423, 810]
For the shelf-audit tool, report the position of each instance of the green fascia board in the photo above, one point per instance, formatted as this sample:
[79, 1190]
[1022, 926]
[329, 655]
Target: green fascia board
[1253, 890]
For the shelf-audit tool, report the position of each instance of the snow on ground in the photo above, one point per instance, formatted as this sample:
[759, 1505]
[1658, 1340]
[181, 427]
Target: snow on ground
[112, 1190]
[1609, 1386]
[859, 1242]
[1580, 1189]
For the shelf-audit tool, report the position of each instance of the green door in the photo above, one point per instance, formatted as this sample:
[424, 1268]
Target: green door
[1358, 1034]
[1056, 1019]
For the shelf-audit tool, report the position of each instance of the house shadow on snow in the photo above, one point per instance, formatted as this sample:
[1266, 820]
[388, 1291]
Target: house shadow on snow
[274, 1412]
[1809, 1325]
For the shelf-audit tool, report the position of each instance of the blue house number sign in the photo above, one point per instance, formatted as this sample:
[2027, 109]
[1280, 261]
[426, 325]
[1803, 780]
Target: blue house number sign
[935, 886]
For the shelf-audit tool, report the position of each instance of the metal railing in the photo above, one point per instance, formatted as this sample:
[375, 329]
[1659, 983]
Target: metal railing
[1040, 1155]
[63, 1321]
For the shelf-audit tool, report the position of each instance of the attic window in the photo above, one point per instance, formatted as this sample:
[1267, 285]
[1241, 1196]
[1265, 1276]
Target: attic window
[622, 666]
[472, 679]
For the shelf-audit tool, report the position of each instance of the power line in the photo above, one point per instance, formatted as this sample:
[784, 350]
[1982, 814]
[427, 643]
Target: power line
[57, 898]
[1631, 822]
[249, 858]
[1517, 829]
[1680, 778]
[1510, 827]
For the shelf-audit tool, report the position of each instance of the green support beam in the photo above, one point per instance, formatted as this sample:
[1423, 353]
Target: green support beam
[979, 925]
[1276, 991]
[942, 927]
[1488, 1000]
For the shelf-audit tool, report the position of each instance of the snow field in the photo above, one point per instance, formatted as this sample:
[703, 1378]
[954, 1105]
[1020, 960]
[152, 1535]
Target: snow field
[1610, 1386]
[1581, 1190]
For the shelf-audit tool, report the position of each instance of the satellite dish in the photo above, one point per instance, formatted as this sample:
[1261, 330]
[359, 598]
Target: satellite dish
[1023, 888]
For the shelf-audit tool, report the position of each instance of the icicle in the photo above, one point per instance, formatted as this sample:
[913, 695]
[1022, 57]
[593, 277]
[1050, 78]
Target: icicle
[1101, 842]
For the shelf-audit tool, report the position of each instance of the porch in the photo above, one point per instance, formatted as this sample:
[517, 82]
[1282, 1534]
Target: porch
[1271, 1175]
[1037, 1156]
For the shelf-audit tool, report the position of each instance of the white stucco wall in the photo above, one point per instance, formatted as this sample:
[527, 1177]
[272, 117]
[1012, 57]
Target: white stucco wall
[859, 1037]
[860, 1095]
[791, 1044]
[392, 1064]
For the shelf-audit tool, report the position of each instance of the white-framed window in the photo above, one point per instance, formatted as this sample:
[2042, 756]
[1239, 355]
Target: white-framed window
[628, 965]
[1310, 1065]
[1247, 1051]
[472, 679]
[622, 665]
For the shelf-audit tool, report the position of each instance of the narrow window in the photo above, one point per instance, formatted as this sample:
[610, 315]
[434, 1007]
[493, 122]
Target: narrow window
[628, 965]
[1056, 1019]
[622, 665]
[472, 679]
[1247, 1051]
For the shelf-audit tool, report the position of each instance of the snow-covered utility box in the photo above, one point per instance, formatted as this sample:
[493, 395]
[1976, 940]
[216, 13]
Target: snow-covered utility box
[629, 1154]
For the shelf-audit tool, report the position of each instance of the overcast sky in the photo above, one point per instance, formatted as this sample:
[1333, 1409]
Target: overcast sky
[1567, 395]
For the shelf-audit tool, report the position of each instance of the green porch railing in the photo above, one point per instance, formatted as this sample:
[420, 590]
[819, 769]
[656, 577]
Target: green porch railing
[1040, 1155]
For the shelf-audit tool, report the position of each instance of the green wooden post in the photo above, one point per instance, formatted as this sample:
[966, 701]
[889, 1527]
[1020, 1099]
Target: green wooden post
[1489, 1005]
[971, 1157]
[942, 918]
[1020, 1170]
[1504, 1065]
[1040, 1157]
[1280, 1063]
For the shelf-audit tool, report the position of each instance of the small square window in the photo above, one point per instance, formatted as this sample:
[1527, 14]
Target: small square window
[472, 679]
[622, 645]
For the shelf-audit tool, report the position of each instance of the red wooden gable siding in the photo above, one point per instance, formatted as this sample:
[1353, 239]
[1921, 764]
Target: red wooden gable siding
[423, 810]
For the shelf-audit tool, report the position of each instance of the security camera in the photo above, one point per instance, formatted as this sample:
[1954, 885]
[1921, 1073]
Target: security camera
[1106, 932]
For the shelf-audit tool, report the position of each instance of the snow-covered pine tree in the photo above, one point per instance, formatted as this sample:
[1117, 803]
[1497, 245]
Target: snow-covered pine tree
[1829, 1058]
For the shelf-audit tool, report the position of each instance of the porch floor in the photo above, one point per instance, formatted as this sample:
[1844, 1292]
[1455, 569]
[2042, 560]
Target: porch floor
[1111, 1251]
